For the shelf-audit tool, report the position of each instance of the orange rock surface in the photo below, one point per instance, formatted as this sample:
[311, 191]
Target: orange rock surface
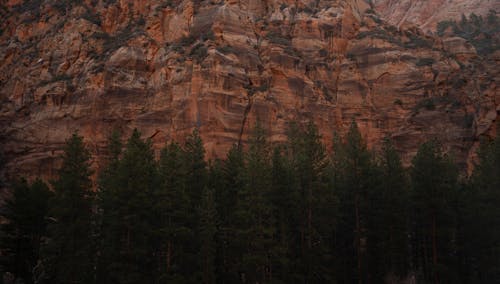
[168, 67]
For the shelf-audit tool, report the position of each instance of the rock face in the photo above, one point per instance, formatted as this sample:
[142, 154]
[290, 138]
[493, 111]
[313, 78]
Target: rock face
[166, 67]
[427, 13]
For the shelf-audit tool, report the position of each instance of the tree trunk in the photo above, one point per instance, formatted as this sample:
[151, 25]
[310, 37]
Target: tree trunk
[434, 248]
[169, 255]
[358, 237]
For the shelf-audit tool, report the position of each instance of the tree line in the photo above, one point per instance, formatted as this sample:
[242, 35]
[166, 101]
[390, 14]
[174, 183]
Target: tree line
[287, 213]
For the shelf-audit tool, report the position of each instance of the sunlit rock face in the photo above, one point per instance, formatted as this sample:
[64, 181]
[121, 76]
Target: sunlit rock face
[166, 67]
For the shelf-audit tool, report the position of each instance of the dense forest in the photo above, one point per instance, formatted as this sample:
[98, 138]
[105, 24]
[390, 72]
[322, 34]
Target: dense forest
[293, 212]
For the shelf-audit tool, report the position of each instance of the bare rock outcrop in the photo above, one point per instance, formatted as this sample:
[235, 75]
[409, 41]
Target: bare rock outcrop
[168, 67]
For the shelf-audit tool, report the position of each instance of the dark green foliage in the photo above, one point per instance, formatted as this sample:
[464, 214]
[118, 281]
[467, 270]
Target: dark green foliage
[67, 253]
[481, 214]
[25, 214]
[434, 189]
[388, 218]
[226, 198]
[255, 230]
[91, 17]
[127, 189]
[278, 38]
[354, 180]
[417, 41]
[285, 213]
[315, 204]
[208, 229]
[173, 213]
[199, 53]
[227, 49]
[209, 35]
[482, 33]
[425, 62]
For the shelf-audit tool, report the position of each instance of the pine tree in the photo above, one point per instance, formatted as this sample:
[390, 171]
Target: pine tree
[25, 214]
[434, 184]
[316, 203]
[106, 216]
[254, 213]
[284, 197]
[388, 219]
[482, 216]
[229, 249]
[195, 182]
[67, 255]
[173, 211]
[208, 230]
[196, 167]
[128, 249]
[353, 180]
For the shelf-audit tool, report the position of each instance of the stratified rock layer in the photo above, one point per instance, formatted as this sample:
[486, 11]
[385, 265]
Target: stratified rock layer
[427, 13]
[168, 67]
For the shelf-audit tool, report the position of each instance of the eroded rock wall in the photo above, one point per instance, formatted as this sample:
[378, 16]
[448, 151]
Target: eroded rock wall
[168, 67]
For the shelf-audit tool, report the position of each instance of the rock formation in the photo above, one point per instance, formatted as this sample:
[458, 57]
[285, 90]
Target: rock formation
[166, 67]
[427, 13]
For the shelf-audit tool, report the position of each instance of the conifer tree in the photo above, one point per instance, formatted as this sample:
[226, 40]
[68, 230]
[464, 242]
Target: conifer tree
[229, 248]
[254, 213]
[388, 219]
[317, 203]
[284, 197]
[434, 182]
[482, 216]
[196, 167]
[195, 182]
[353, 182]
[208, 228]
[25, 214]
[173, 211]
[128, 236]
[67, 255]
[106, 216]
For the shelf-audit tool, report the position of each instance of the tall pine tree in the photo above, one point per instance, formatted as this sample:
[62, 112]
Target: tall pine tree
[26, 220]
[387, 227]
[255, 230]
[434, 183]
[67, 255]
[128, 254]
[353, 180]
[482, 216]
[172, 207]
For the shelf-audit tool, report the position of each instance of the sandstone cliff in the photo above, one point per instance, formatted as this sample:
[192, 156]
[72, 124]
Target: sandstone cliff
[166, 67]
[427, 13]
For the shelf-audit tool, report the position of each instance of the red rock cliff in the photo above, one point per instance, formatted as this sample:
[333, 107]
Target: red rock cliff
[166, 67]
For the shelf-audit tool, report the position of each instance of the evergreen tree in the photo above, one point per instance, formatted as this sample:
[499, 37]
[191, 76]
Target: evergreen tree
[175, 231]
[254, 213]
[195, 182]
[229, 248]
[128, 233]
[208, 230]
[387, 226]
[25, 214]
[196, 168]
[284, 197]
[353, 180]
[67, 255]
[106, 215]
[434, 182]
[482, 216]
[316, 203]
